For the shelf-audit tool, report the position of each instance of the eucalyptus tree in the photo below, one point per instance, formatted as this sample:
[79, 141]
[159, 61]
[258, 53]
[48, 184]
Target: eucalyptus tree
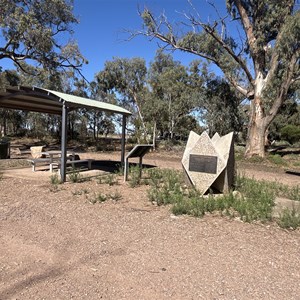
[260, 59]
[33, 30]
[98, 121]
[126, 78]
[221, 106]
[10, 119]
[172, 94]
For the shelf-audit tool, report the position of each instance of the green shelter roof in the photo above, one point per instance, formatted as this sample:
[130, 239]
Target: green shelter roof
[48, 101]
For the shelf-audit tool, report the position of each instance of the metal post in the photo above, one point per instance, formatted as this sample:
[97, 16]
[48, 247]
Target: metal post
[64, 122]
[123, 140]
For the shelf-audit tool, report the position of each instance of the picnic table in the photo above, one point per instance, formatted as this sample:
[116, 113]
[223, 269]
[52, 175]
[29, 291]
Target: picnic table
[53, 159]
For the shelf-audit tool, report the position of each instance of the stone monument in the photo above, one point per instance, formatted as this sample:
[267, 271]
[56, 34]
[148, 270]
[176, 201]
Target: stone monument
[208, 163]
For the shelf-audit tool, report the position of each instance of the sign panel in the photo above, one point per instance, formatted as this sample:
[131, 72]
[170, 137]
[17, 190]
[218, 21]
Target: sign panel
[203, 163]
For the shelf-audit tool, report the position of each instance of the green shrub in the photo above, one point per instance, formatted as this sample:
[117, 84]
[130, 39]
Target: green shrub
[80, 192]
[75, 176]
[253, 200]
[111, 179]
[135, 173]
[291, 133]
[166, 185]
[115, 196]
[276, 159]
[54, 179]
[289, 219]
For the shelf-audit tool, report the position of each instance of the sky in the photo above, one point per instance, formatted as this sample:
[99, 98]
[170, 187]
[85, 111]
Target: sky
[100, 32]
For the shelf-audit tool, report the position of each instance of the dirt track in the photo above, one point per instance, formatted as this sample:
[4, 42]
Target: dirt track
[57, 245]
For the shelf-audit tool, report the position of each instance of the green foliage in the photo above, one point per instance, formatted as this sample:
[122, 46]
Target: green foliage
[126, 77]
[290, 133]
[110, 179]
[221, 107]
[115, 196]
[276, 159]
[253, 200]
[54, 179]
[165, 185]
[174, 95]
[30, 30]
[135, 173]
[263, 67]
[75, 176]
[289, 219]
[288, 114]
[80, 192]
[100, 197]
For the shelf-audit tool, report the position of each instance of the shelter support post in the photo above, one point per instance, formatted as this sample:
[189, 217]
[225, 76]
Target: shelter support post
[123, 140]
[64, 123]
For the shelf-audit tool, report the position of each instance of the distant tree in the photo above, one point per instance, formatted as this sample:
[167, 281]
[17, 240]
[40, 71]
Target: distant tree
[290, 133]
[10, 120]
[31, 31]
[127, 78]
[221, 107]
[288, 114]
[262, 63]
[173, 95]
[99, 121]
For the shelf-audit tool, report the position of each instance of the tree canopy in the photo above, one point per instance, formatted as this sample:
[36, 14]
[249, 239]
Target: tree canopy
[260, 59]
[33, 31]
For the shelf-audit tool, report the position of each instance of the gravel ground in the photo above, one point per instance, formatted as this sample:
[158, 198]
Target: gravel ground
[56, 244]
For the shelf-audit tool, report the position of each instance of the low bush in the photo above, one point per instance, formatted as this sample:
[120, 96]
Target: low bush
[289, 219]
[75, 176]
[252, 201]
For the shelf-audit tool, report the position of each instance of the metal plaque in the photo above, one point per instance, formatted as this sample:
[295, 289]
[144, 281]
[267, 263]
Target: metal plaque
[203, 163]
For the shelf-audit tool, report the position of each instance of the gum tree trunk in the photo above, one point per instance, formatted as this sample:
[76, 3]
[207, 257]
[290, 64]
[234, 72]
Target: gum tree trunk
[256, 135]
[257, 127]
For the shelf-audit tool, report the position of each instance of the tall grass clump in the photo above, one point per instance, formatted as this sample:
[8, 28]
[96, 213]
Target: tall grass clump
[277, 160]
[289, 219]
[166, 186]
[135, 174]
[75, 176]
[256, 200]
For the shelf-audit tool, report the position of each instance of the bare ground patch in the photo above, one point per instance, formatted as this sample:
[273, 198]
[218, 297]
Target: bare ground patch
[58, 245]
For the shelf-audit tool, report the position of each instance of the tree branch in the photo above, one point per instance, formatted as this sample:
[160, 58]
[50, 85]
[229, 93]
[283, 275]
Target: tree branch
[211, 31]
[283, 90]
[246, 24]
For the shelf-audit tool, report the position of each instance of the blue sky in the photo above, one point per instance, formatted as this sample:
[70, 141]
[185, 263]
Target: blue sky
[100, 33]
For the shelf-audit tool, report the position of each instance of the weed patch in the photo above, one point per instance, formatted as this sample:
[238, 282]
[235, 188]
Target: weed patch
[80, 192]
[277, 160]
[55, 182]
[289, 219]
[101, 197]
[135, 174]
[75, 176]
[252, 201]
[110, 179]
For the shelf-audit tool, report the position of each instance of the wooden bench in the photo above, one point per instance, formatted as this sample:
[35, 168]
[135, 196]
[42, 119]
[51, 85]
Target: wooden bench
[38, 161]
[72, 162]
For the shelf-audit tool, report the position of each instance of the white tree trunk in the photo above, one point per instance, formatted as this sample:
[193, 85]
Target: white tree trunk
[257, 122]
